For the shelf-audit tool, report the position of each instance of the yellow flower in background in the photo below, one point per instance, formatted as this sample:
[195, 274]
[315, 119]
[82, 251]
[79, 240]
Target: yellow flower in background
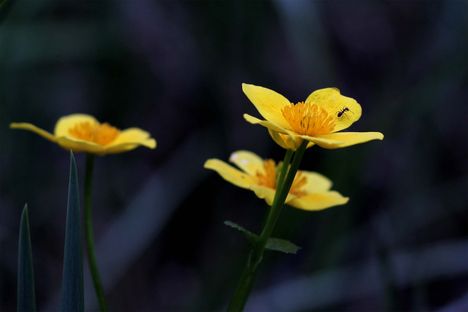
[309, 191]
[317, 120]
[83, 133]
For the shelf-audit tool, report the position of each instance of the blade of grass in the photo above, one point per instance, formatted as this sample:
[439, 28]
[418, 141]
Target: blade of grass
[26, 294]
[72, 280]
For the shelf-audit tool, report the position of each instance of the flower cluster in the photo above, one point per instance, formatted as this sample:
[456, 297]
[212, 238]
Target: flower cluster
[318, 121]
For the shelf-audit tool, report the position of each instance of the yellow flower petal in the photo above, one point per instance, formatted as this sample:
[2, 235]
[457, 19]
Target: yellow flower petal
[268, 103]
[131, 139]
[229, 173]
[344, 139]
[345, 110]
[286, 141]
[268, 194]
[247, 161]
[133, 136]
[33, 128]
[265, 193]
[318, 201]
[115, 149]
[316, 183]
[125, 147]
[80, 145]
[265, 123]
[64, 124]
[283, 137]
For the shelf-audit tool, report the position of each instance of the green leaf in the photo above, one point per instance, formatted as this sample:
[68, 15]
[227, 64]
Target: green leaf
[252, 237]
[72, 279]
[282, 245]
[26, 294]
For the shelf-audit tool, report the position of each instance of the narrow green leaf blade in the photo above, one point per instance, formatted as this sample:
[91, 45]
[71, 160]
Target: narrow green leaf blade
[252, 237]
[282, 245]
[25, 292]
[72, 279]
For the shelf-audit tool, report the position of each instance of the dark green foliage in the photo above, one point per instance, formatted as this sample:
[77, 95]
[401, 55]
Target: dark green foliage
[72, 283]
[26, 294]
[282, 245]
[252, 237]
[275, 244]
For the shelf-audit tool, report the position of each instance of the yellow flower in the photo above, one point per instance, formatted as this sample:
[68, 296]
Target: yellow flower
[83, 133]
[317, 120]
[309, 191]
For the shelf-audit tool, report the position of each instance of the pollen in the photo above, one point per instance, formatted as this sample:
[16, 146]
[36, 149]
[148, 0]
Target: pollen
[268, 178]
[308, 119]
[101, 134]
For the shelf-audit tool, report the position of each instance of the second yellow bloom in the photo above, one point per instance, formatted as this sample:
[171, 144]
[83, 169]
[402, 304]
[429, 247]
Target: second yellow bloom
[309, 191]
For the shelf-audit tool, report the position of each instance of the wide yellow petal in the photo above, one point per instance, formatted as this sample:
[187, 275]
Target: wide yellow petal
[268, 194]
[318, 201]
[345, 110]
[64, 124]
[33, 128]
[266, 123]
[268, 103]
[133, 136]
[316, 183]
[343, 139]
[286, 141]
[265, 193]
[121, 148]
[249, 162]
[78, 145]
[229, 173]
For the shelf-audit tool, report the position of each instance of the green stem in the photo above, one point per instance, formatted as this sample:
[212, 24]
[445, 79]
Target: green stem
[283, 170]
[285, 166]
[247, 278]
[88, 220]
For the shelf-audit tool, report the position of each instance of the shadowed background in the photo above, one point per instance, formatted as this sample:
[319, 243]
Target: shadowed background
[175, 69]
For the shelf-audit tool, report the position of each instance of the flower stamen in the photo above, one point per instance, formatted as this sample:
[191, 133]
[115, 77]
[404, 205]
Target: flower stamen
[268, 178]
[101, 134]
[308, 119]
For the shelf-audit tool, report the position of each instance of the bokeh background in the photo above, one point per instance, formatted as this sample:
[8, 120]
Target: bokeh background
[175, 68]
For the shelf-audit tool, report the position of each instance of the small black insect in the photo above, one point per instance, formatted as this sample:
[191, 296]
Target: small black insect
[341, 112]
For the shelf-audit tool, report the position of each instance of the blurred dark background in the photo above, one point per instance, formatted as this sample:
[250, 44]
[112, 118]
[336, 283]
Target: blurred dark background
[175, 68]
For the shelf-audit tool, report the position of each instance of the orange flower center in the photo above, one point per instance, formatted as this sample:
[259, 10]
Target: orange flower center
[268, 178]
[101, 134]
[308, 119]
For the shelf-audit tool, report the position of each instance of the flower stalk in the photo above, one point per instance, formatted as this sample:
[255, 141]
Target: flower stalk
[88, 222]
[255, 257]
